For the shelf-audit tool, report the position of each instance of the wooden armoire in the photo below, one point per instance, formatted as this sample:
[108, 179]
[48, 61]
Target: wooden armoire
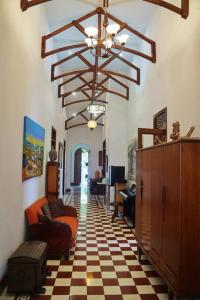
[52, 180]
[168, 212]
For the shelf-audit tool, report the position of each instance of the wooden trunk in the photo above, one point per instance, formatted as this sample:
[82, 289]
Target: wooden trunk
[27, 268]
[168, 212]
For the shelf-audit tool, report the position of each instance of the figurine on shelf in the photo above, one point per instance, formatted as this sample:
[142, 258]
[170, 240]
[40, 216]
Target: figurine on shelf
[53, 154]
[176, 131]
[157, 140]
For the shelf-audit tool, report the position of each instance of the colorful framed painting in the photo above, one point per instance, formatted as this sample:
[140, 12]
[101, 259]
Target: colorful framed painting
[33, 149]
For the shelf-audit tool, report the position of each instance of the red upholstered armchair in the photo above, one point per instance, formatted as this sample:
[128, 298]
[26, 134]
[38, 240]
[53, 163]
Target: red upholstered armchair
[59, 233]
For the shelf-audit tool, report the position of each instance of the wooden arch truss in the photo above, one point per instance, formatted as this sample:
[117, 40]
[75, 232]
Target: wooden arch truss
[183, 10]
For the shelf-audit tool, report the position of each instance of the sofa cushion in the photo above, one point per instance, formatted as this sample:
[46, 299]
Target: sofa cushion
[46, 210]
[33, 210]
[56, 208]
[71, 221]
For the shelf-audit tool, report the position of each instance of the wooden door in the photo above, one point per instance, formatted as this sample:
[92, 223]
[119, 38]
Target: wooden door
[156, 202]
[171, 208]
[77, 167]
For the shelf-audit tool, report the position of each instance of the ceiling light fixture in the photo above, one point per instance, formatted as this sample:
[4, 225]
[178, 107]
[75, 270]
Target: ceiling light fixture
[95, 108]
[92, 124]
[102, 39]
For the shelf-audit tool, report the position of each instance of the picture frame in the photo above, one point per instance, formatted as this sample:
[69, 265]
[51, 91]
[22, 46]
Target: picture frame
[33, 149]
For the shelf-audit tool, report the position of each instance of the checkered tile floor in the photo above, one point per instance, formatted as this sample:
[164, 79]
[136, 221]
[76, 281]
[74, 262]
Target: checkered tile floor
[103, 264]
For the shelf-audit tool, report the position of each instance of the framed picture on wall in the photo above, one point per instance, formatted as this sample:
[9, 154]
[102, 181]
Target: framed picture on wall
[33, 149]
[60, 154]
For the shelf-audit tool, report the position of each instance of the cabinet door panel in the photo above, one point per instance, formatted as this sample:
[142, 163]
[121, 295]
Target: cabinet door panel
[146, 200]
[157, 201]
[171, 217]
[138, 203]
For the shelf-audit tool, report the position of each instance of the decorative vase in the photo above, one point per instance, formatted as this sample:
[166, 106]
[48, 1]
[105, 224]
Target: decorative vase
[53, 154]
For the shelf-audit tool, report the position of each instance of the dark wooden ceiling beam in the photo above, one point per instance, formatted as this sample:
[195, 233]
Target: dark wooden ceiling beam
[85, 61]
[79, 27]
[62, 29]
[183, 10]
[66, 48]
[80, 101]
[120, 83]
[78, 89]
[101, 115]
[84, 117]
[80, 124]
[125, 61]
[110, 72]
[25, 4]
[79, 113]
[75, 72]
[76, 54]
[86, 94]
[106, 90]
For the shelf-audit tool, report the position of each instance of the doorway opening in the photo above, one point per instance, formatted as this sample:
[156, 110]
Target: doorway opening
[81, 167]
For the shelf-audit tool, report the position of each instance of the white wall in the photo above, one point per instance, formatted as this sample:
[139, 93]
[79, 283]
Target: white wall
[174, 80]
[93, 139]
[25, 89]
[116, 133]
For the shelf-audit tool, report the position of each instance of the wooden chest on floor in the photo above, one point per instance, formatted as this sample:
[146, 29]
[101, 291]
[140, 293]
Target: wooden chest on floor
[27, 267]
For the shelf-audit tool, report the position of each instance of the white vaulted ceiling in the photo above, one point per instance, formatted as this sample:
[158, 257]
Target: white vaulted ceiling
[135, 13]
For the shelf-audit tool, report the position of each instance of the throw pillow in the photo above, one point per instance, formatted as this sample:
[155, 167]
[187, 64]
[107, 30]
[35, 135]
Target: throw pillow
[56, 208]
[60, 202]
[43, 218]
[46, 211]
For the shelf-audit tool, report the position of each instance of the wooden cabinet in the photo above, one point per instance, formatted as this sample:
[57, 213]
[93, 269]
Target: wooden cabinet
[168, 212]
[52, 180]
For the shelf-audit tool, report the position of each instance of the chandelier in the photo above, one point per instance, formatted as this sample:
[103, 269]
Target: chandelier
[92, 124]
[101, 40]
[95, 108]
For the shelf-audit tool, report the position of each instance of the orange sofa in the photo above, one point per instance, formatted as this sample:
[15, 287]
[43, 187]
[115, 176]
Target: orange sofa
[59, 233]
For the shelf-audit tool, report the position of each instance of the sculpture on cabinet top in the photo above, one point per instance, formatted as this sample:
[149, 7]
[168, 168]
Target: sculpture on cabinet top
[53, 154]
[175, 135]
[175, 131]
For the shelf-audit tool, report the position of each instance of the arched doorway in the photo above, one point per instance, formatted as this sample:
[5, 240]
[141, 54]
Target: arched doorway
[80, 166]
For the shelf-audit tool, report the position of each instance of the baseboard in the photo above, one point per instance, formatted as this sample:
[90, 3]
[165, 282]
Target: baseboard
[3, 284]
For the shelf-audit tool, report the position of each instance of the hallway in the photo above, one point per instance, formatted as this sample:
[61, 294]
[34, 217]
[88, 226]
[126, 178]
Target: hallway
[103, 264]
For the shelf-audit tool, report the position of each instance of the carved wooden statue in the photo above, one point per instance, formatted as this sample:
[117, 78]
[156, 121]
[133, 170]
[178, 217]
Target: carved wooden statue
[176, 131]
